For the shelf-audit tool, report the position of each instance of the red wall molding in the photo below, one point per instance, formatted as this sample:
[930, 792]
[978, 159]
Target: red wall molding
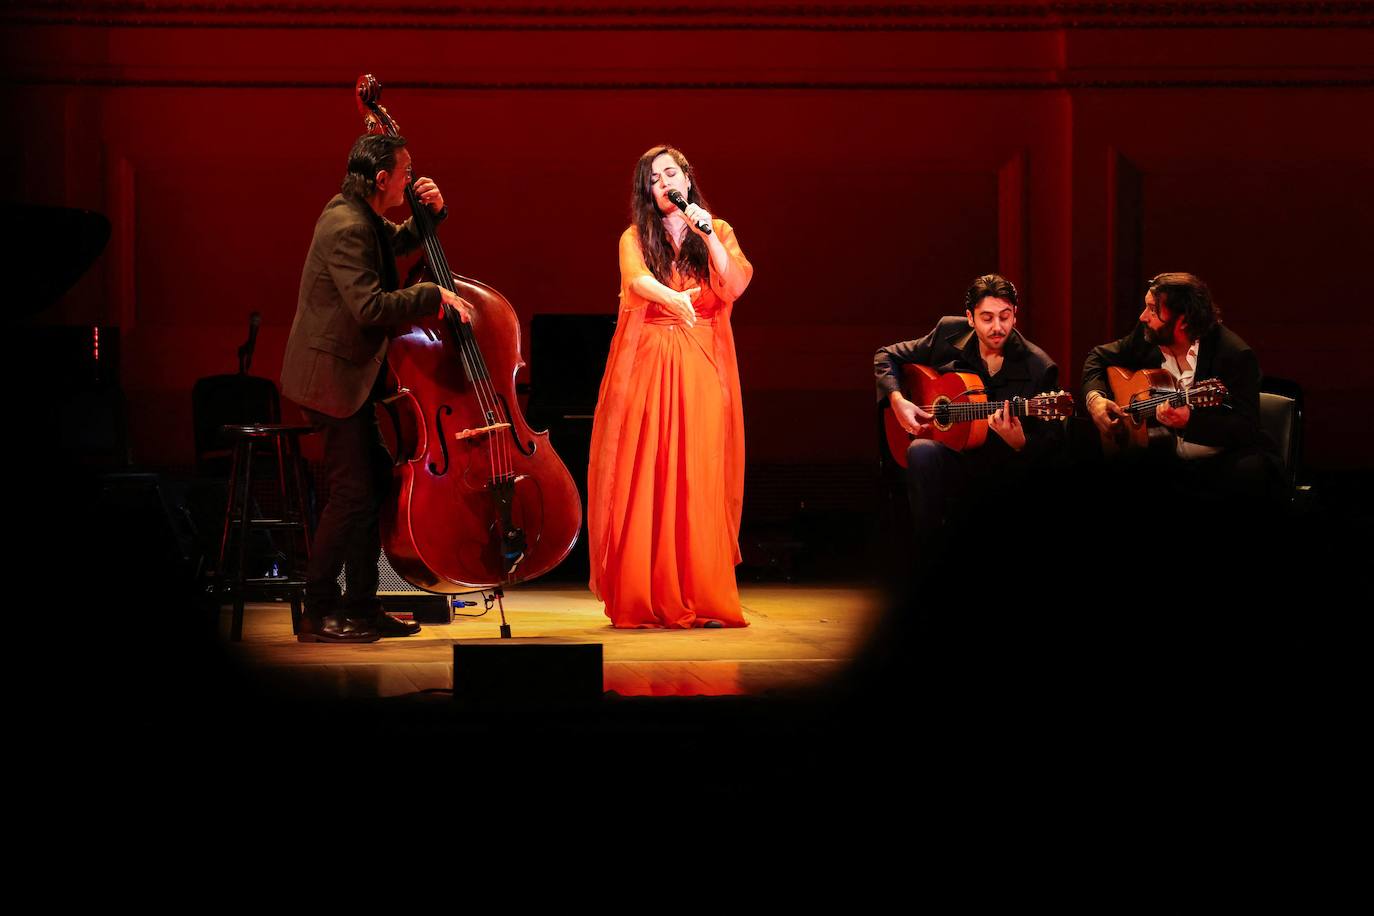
[732, 86]
[379, 15]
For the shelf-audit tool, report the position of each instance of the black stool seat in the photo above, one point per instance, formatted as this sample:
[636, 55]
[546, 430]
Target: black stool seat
[263, 430]
[281, 441]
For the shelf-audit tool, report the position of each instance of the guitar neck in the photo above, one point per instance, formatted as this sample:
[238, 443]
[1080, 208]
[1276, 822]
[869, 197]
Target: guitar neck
[980, 410]
[1173, 399]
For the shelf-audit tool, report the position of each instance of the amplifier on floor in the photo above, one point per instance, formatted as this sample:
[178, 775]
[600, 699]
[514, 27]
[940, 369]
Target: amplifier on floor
[403, 599]
[535, 669]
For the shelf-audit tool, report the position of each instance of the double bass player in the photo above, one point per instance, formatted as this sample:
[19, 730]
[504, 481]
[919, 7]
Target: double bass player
[348, 301]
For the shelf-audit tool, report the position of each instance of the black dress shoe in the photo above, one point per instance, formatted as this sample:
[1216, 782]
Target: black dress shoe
[336, 628]
[390, 626]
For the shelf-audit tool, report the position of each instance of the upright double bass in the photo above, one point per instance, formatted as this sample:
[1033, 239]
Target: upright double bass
[479, 499]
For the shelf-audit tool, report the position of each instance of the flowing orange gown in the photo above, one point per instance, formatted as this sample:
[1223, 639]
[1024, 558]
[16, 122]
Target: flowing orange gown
[666, 478]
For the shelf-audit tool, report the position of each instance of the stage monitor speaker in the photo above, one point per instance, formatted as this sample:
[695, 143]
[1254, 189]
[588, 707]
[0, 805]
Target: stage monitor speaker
[539, 669]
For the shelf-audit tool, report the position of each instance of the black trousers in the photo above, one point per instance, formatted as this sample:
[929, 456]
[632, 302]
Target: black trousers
[940, 480]
[1240, 479]
[348, 537]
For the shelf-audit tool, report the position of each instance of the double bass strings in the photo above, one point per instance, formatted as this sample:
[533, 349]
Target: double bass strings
[498, 449]
[474, 366]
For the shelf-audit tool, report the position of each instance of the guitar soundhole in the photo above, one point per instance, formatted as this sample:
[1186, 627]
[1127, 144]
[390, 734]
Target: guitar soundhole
[940, 412]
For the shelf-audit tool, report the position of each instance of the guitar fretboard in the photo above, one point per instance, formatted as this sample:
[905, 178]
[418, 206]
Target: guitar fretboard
[964, 412]
[1173, 399]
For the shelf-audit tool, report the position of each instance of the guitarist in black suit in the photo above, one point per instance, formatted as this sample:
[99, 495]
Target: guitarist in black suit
[1180, 330]
[984, 341]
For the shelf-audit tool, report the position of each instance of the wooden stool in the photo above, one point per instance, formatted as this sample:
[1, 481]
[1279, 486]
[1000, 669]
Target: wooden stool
[284, 442]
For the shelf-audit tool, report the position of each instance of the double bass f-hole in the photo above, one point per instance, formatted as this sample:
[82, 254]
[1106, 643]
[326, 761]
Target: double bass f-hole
[443, 411]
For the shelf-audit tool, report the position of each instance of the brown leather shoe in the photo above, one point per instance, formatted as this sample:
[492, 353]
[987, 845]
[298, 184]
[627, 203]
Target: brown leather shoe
[336, 628]
[390, 626]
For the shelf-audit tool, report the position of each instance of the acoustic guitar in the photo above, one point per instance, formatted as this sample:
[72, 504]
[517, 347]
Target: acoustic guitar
[960, 408]
[1138, 392]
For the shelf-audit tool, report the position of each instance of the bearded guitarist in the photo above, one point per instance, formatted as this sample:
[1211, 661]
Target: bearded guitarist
[1180, 332]
[985, 343]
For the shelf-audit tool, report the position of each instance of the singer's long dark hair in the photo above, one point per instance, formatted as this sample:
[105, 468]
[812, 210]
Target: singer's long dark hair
[692, 260]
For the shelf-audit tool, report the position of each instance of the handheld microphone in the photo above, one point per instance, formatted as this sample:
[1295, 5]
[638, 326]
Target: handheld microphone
[681, 203]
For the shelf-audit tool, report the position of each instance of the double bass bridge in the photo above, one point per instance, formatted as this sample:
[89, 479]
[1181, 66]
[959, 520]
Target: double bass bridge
[480, 431]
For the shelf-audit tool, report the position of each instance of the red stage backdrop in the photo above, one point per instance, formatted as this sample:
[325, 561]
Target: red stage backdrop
[874, 158]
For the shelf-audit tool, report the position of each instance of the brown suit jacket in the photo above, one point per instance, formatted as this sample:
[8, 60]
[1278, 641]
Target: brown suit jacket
[348, 302]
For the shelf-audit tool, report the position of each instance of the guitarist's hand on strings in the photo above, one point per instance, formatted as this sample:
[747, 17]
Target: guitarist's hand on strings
[1106, 414]
[451, 301]
[912, 418]
[1173, 417]
[1008, 427]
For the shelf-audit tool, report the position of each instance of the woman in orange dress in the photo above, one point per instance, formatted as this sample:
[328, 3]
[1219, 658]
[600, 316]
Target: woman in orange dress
[666, 479]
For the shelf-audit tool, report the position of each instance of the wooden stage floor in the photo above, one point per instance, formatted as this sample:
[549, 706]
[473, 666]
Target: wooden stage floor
[798, 636]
